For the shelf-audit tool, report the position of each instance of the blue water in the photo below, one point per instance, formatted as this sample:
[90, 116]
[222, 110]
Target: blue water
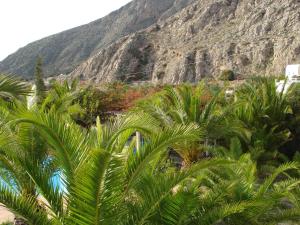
[57, 182]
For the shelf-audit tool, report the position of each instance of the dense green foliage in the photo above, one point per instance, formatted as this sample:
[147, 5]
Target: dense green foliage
[264, 120]
[55, 171]
[109, 100]
[61, 98]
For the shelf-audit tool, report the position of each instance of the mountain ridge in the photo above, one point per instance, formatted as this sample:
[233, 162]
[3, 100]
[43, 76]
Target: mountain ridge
[180, 41]
[246, 36]
[64, 51]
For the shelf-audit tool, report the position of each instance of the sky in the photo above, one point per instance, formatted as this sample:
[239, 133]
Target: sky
[25, 21]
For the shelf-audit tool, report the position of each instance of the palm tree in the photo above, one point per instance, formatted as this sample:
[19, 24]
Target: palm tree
[99, 153]
[291, 147]
[25, 145]
[189, 105]
[265, 112]
[105, 183]
[61, 98]
[12, 95]
[19, 146]
[268, 201]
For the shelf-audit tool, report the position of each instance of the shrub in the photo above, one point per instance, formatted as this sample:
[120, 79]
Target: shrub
[110, 99]
[227, 75]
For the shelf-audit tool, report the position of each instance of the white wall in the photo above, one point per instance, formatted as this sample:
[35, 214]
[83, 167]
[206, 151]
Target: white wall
[292, 70]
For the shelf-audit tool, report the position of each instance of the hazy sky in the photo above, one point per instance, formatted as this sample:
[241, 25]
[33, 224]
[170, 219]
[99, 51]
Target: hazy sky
[24, 21]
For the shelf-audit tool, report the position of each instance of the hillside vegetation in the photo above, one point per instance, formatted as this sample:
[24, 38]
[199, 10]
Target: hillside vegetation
[204, 158]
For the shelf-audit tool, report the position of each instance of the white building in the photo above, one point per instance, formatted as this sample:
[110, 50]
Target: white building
[292, 72]
[292, 75]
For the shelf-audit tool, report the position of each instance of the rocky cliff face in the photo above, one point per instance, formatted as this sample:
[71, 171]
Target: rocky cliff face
[64, 51]
[205, 37]
[172, 41]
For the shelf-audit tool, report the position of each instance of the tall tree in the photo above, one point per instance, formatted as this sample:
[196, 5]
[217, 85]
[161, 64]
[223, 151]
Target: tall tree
[39, 81]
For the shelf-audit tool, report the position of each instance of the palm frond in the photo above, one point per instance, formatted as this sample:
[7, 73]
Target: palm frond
[24, 207]
[281, 169]
[11, 87]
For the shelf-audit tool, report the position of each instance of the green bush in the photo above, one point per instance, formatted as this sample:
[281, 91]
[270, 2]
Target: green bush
[227, 75]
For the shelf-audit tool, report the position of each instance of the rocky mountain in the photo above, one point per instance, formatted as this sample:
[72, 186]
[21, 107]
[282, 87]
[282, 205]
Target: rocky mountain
[206, 37]
[64, 51]
[173, 41]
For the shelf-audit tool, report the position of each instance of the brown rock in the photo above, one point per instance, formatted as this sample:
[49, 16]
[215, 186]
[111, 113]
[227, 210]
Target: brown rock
[248, 36]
